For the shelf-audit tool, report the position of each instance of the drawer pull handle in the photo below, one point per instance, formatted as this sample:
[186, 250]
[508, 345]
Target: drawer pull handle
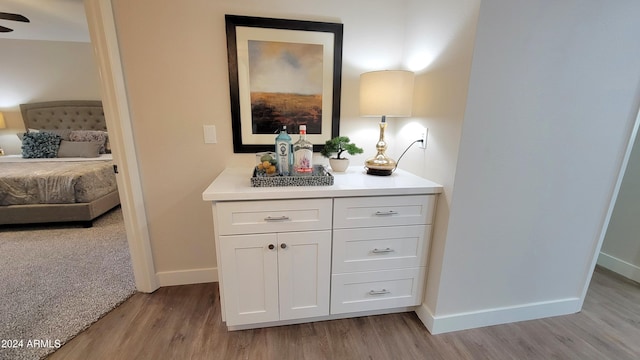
[386, 213]
[283, 245]
[379, 292]
[278, 218]
[382, 251]
[271, 246]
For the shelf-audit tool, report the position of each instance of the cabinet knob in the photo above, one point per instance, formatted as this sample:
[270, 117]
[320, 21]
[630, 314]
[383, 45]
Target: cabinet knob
[283, 245]
[271, 247]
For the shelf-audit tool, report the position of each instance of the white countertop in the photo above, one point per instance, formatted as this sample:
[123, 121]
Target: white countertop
[235, 184]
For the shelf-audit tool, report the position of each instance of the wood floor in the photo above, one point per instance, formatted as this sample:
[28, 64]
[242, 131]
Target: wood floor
[183, 322]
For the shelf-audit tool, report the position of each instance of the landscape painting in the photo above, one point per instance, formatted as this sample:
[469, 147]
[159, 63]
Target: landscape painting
[283, 72]
[286, 86]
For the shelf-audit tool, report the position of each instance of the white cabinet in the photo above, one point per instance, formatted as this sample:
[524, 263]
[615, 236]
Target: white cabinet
[280, 275]
[288, 255]
[380, 248]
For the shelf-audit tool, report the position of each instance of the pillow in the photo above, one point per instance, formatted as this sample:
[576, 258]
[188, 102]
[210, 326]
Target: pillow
[21, 135]
[87, 149]
[64, 134]
[90, 135]
[40, 145]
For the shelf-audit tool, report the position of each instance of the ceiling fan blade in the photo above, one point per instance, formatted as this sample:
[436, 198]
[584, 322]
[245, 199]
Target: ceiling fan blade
[13, 17]
[5, 29]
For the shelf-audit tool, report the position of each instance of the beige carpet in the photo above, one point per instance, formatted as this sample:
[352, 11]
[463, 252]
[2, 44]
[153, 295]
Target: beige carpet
[55, 281]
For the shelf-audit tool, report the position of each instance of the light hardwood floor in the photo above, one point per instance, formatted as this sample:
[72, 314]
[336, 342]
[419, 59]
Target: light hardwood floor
[183, 322]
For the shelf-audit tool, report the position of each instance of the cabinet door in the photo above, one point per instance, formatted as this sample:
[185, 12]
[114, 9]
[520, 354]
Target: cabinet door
[304, 264]
[250, 277]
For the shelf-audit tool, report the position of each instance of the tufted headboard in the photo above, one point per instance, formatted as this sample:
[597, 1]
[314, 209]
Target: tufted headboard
[61, 115]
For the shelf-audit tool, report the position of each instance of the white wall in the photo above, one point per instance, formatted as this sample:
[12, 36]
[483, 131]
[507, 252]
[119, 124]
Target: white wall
[439, 42]
[33, 70]
[621, 247]
[553, 96]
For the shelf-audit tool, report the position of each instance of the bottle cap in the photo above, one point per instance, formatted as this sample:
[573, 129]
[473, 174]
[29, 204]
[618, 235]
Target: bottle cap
[303, 128]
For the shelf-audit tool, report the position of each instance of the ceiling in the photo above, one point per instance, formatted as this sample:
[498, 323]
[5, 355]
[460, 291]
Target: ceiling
[54, 20]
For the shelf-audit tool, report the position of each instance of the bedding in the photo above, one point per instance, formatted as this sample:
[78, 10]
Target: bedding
[56, 182]
[61, 175]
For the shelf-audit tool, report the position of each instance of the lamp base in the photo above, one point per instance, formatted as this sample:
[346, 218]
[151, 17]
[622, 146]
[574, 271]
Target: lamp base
[379, 172]
[380, 165]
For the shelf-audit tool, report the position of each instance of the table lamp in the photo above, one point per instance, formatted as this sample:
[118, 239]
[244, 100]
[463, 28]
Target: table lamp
[385, 93]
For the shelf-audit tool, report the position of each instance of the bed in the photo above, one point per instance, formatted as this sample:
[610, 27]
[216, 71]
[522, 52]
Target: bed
[75, 187]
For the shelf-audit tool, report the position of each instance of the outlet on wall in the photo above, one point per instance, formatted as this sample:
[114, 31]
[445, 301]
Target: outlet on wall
[423, 136]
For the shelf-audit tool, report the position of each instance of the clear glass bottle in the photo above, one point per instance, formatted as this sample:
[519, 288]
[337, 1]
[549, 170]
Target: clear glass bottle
[283, 151]
[303, 153]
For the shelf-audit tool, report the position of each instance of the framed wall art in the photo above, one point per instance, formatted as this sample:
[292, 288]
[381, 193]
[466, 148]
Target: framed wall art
[283, 72]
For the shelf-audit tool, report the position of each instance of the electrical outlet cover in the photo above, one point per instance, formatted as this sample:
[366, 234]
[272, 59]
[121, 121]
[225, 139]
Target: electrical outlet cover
[423, 136]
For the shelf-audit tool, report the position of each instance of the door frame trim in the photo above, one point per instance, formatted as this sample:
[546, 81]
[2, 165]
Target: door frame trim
[102, 29]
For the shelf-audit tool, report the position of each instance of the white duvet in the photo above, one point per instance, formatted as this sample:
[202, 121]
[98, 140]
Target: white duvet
[54, 181]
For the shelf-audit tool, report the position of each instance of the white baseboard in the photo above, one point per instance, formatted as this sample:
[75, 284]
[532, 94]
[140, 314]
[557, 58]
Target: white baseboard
[185, 277]
[621, 267]
[489, 317]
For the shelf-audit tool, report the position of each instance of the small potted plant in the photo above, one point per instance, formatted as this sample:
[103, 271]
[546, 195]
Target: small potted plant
[337, 146]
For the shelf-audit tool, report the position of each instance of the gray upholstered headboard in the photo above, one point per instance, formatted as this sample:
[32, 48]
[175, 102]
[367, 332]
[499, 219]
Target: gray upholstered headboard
[61, 115]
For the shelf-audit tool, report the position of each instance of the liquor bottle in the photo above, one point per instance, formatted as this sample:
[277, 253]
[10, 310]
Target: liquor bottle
[303, 153]
[283, 151]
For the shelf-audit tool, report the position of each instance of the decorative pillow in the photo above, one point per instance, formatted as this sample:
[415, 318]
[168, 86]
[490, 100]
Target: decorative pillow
[86, 149]
[90, 135]
[21, 135]
[64, 134]
[40, 145]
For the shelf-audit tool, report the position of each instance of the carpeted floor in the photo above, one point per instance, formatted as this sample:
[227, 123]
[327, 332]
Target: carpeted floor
[55, 281]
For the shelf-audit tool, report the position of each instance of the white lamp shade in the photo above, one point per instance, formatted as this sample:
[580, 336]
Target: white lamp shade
[2, 123]
[387, 92]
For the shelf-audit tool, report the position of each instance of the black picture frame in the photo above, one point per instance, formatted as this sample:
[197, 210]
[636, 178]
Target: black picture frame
[240, 31]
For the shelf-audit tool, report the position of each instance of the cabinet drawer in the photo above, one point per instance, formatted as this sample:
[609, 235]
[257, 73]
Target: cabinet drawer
[252, 217]
[383, 211]
[365, 249]
[376, 290]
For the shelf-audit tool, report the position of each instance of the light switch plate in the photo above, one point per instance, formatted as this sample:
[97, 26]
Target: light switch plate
[210, 134]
